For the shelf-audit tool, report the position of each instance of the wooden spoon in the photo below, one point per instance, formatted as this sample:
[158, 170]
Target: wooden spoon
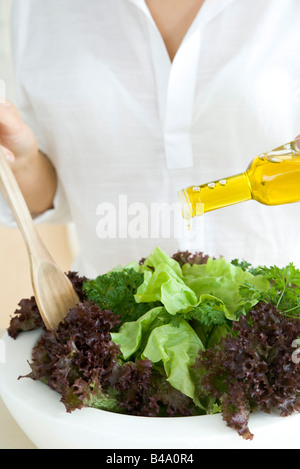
[53, 291]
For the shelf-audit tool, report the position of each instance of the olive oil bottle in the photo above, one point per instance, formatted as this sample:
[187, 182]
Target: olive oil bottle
[272, 178]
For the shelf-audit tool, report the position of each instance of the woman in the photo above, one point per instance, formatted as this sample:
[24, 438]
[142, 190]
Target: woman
[123, 103]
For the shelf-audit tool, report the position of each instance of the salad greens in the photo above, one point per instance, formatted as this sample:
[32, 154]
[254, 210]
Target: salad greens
[186, 334]
[284, 291]
[115, 291]
[207, 293]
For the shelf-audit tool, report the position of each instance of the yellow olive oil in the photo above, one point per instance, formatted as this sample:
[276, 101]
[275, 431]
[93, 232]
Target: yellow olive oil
[272, 178]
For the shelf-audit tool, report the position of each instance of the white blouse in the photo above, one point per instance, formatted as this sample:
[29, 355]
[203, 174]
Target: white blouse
[126, 129]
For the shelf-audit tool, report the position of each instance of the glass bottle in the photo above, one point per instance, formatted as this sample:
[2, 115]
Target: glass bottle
[272, 178]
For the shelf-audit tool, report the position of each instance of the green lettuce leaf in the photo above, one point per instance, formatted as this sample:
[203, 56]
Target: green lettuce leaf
[163, 283]
[158, 257]
[133, 335]
[153, 337]
[220, 278]
[177, 348]
[166, 286]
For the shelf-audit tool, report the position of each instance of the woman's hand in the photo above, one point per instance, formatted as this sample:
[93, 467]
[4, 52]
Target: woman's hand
[33, 170]
[16, 138]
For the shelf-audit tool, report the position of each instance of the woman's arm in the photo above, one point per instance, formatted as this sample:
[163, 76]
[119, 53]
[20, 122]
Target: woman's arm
[34, 172]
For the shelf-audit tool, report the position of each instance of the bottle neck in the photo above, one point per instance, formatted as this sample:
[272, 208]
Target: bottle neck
[197, 200]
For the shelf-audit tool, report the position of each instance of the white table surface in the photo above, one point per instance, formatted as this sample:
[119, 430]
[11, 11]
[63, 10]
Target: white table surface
[11, 435]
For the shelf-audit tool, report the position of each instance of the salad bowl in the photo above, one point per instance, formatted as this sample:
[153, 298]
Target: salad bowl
[40, 414]
[95, 409]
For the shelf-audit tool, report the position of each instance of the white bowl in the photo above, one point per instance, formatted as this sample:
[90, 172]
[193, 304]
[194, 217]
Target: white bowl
[39, 412]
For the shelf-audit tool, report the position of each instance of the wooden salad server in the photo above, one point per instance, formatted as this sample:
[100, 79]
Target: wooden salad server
[53, 291]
